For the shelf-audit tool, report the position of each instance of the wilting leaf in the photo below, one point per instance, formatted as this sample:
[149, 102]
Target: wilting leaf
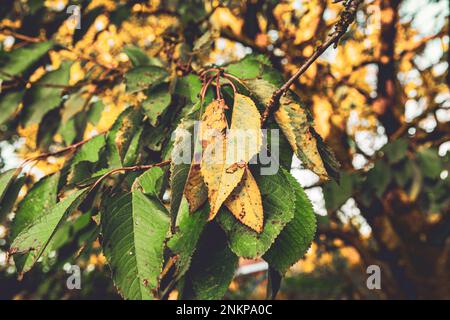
[18, 61]
[134, 228]
[36, 236]
[185, 176]
[295, 122]
[143, 77]
[195, 190]
[295, 239]
[9, 103]
[245, 138]
[245, 202]
[278, 205]
[212, 269]
[221, 175]
[43, 96]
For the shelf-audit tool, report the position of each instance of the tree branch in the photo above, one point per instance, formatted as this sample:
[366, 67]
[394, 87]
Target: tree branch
[347, 17]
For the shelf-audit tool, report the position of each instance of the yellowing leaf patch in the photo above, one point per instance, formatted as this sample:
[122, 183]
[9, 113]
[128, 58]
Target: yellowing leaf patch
[224, 161]
[292, 119]
[295, 123]
[245, 203]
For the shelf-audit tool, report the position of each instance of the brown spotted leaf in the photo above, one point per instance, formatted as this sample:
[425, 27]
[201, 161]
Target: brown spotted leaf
[225, 158]
[195, 191]
[296, 124]
[219, 181]
[245, 203]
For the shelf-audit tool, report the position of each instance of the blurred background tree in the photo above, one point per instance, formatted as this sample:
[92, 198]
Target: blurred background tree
[380, 101]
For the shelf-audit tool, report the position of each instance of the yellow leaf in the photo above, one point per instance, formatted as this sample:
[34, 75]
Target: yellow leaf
[292, 119]
[244, 138]
[226, 157]
[219, 181]
[213, 123]
[296, 124]
[245, 203]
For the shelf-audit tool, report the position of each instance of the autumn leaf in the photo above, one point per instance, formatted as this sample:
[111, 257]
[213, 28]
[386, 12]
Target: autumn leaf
[219, 181]
[195, 190]
[296, 124]
[245, 202]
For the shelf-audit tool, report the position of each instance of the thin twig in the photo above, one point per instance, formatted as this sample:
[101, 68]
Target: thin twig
[56, 153]
[132, 168]
[347, 17]
[22, 37]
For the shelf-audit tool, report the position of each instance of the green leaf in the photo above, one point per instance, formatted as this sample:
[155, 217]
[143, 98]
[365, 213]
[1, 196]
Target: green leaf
[143, 77]
[140, 58]
[41, 98]
[379, 177]
[273, 283]
[36, 236]
[156, 103]
[73, 129]
[134, 229]
[18, 61]
[120, 137]
[6, 178]
[137, 56]
[404, 172]
[39, 199]
[430, 162]
[95, 112]
[336, 194]
[250, 67]
[73, 105]
[150, 182]
[212, 269]
[9, 103]
[189, 227]
[395, 150]
[189, 87]
[8, 199]
[83, 164]
[295, 239]
[278, 204]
